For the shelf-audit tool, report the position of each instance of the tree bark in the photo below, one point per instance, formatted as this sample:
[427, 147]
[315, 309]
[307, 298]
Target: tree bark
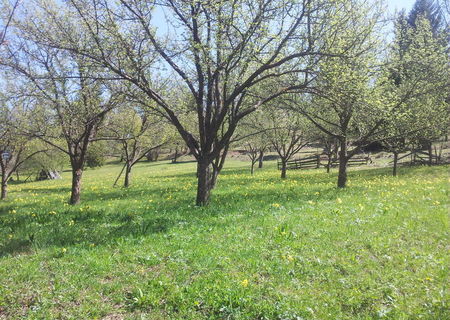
[394, 169]
[205, 182]
[4, 191]
[430, 153]
[329, 162]
[252, 168]
[283, 169]
[260, 159]
[342, 175]
[175, 157]
[76, 185]
[126, 183]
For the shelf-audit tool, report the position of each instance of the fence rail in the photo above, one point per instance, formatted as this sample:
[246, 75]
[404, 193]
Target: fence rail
[315, 162]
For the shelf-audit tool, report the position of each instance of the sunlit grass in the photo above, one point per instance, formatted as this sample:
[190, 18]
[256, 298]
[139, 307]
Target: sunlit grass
[264, 248]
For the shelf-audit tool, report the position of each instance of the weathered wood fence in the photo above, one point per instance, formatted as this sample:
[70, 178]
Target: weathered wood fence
[316, 162]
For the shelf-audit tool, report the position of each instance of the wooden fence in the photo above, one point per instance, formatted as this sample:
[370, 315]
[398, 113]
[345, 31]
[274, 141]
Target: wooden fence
[315, 162]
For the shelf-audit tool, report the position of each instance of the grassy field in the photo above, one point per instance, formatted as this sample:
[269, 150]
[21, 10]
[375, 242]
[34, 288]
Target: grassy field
[264, 248]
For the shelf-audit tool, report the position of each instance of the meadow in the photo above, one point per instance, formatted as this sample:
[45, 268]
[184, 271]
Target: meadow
[265, 248]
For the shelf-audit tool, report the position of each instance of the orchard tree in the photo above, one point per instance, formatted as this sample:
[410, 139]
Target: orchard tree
[348, 103]
[70, 98]
[255, 145]
[138, 132]
[420, 69]
[5, 18]
[251, 135]
[15, 147]
[287, 132]
[218, 50]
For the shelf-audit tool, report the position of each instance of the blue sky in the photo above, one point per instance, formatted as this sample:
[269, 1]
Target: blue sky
[399, 5]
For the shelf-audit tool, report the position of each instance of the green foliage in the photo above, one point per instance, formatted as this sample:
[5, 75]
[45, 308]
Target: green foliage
[419, 70]
[266, 249]
[96, 155]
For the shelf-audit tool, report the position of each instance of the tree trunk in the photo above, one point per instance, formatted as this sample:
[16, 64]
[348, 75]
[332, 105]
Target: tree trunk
[329, 162]
[205, 182]
[283, 169]
[126, 183]
[260, 159]
[252, 168]
[342, 175]
[76, 185]
[335, 149]
[430, 153]
[394, 169]
[175, 157]
[4, 187]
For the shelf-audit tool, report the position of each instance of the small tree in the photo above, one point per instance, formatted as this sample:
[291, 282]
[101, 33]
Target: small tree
[138, 132]
[252, 152]
[287, 132]
[15, 148]
[96, 155]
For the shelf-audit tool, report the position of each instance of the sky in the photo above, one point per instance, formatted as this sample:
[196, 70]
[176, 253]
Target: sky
[399, 5]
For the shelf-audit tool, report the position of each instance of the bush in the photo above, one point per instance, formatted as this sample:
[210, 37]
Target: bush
[96, 155]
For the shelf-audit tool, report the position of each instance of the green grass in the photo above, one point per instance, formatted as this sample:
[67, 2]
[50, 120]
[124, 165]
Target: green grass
[263, 249]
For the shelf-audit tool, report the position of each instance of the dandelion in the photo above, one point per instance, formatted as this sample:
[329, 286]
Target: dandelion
[71, 223]
[244, 283]
[290, 258]
[276, 205]
[10, 236]
[338, 200]
[63, 250]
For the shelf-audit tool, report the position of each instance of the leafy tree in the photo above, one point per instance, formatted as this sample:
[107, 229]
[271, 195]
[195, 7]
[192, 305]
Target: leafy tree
[15, 148]
[138, 132]
[218, 50]
[420, 71]
[96, 155]
[430, 10]
[348, 103]
[70, 98]
[287, 132]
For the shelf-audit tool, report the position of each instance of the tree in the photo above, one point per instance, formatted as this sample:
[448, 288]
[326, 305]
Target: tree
[218, 50]
[138, 132]
[70, 98]
[252, 152]
[430, 10]
[287, 132]
[96, 155]
[7, 20]
[15, 148]
[420, 65]
[347, 103]
[251, 135]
